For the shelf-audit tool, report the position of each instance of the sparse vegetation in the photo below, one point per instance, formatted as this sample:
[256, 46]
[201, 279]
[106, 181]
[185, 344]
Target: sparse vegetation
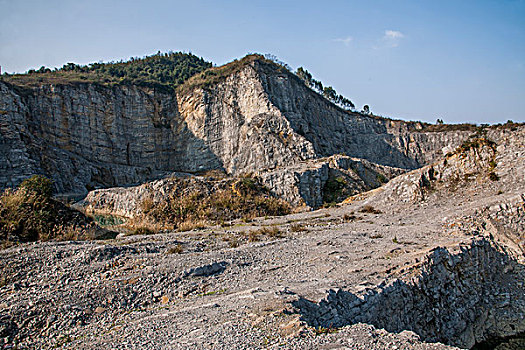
[440, 127]
[335, 190]
[268, 231]
[216, 75]
[369, 209]
[493, 176]
[349, 217]
[324, 330]
[327, 91]
[177, 249]
[298, 228]
[381, 178]
[29, 214]
[143, 230]
[187, 207]
[475, 143]
[161, 70]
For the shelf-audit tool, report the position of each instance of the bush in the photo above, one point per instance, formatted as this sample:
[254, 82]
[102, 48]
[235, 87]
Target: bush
[38, 185]
[271, 232]
[177, 249]
[298, 228]
[493, 176]
[29, 214]
[369, 209]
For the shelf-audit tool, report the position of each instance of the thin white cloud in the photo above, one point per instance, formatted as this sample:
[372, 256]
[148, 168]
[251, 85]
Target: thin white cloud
[393, 35]
[391, 38]
[346, 41]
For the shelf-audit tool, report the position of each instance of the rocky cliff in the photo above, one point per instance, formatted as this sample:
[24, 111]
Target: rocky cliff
[259, 116]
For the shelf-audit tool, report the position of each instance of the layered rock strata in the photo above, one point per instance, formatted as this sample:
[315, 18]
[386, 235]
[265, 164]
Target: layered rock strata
[87, 136]
[460, 298]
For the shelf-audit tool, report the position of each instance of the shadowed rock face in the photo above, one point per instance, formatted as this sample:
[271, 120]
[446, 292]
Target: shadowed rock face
[88, 136]
[458, 299]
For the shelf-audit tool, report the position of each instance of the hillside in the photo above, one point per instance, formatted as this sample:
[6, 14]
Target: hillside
[247, 116]
[162, 70]
[242, 208]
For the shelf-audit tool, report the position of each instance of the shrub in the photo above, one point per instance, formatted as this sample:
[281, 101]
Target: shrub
[190, 203]
[334, 190]
[29, 214]
[298, 228]
[475, 143]
[349, 217]
[272, 232]
[177, 249]
[493, 176]
[369, 209]
[38, 185]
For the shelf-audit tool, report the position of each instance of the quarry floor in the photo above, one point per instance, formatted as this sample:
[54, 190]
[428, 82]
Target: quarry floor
[223, 288]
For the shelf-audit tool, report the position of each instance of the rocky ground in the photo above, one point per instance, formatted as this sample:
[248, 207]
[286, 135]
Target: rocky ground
[357, 276]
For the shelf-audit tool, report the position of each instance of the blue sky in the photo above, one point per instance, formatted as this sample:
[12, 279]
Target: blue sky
[461, 61]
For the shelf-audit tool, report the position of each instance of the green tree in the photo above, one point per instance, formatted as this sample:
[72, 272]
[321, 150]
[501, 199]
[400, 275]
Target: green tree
[330, 94]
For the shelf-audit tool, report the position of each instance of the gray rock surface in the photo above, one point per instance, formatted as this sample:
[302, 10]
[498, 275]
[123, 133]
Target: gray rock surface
[446, 266]
[87, 136]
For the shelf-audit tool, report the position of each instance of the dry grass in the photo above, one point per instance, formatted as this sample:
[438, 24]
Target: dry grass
[177, 249]
[215, 75]
[369, 209]
[192, 225]
[298, 228]
[143, 230]
[349, 218]
[29, 214]
[195, 204]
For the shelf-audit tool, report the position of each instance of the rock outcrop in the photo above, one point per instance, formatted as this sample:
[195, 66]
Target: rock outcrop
[478, 162]
[87, 136]
[461, 298]
[308, 184]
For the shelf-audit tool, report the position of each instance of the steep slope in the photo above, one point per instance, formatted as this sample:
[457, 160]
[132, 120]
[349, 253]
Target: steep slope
[246, 116]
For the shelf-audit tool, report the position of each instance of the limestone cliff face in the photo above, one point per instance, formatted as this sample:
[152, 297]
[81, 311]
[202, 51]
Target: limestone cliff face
[88, 136]
[241, 126]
